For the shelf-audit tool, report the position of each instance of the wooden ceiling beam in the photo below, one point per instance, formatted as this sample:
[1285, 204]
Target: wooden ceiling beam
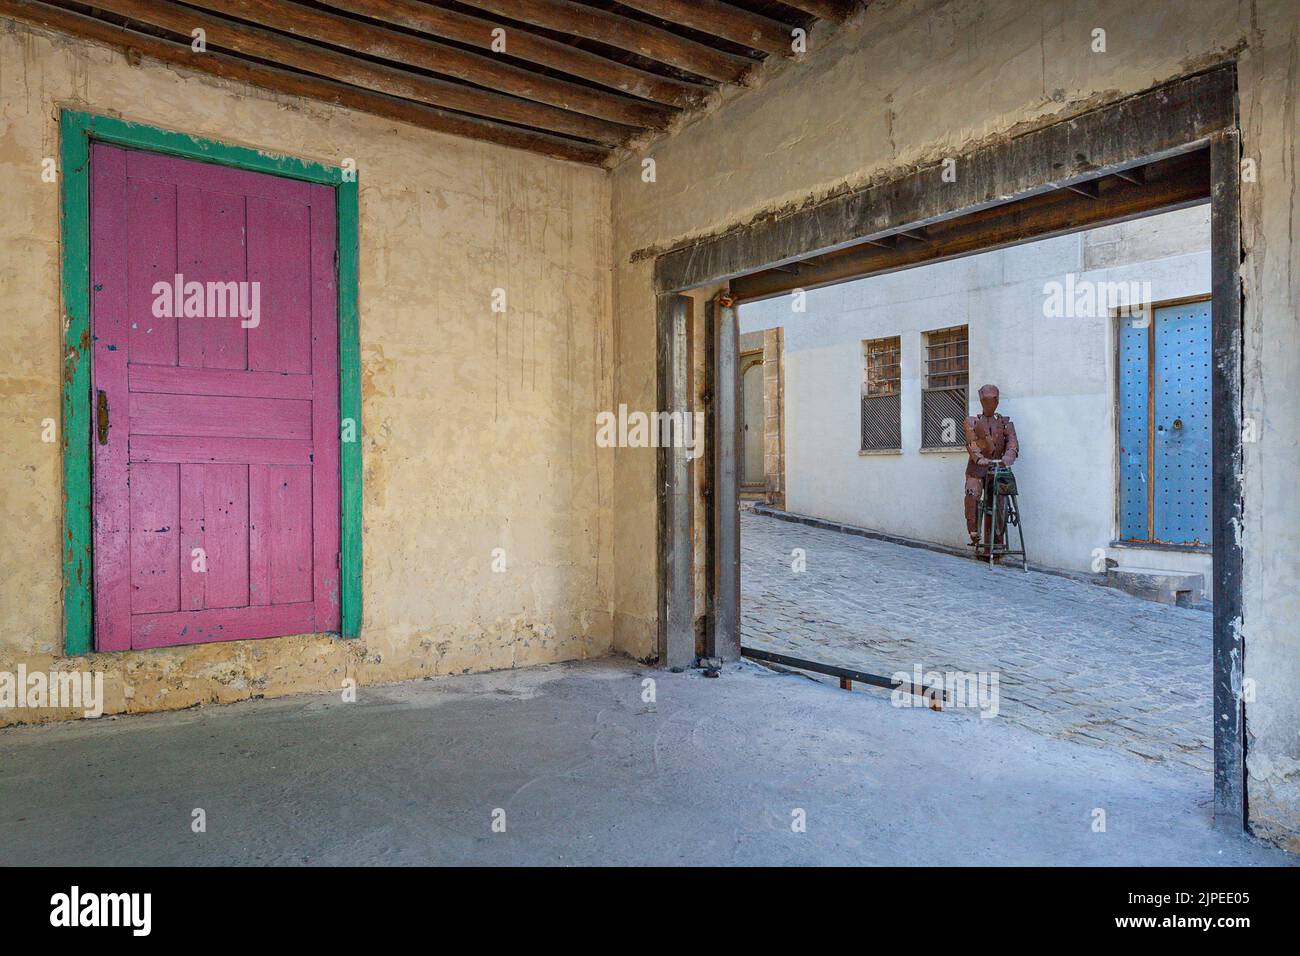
[722, 19]
[837, 11]
[344, 68]
[624, 33]
[494, 73]
[522, 45]
[298, 85]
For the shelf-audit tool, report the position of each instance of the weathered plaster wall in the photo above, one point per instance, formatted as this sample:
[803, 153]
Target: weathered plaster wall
[477, 428]
[912, 82]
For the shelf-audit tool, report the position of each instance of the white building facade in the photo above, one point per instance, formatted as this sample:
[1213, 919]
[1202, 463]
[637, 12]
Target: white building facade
[1029, 329]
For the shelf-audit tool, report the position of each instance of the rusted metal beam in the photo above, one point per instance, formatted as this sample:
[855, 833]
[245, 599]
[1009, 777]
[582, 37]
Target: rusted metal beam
[322, 61]
[722, 19]
[624, 33]
[1090, 188]
[1135, 175]
[1180, 181]
[403, 49]
[935, 696]
[523, 45]
[1154, 124]
[297, 84]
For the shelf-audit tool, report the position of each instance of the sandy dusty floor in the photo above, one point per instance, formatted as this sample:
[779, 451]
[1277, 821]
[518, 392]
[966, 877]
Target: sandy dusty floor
[583, 770]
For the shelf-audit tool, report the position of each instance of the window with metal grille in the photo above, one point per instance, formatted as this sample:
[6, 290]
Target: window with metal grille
[947, 380]
[881, 409]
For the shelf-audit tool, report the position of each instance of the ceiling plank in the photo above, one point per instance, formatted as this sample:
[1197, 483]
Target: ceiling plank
[722, 19]
[624, 33]
[404, 49]
[520, 44]
[837, 11]
[299, 85]
[322, 61]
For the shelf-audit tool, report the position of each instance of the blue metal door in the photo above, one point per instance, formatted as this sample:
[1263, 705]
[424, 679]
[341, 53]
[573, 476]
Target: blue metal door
[1181, 436]
[1164, 425]
[1134, 424]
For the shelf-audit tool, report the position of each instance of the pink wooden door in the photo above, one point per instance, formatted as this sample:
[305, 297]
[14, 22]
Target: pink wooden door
[215, 435]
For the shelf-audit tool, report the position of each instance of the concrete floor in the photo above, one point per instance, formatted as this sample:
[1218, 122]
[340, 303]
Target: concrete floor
[587, 773]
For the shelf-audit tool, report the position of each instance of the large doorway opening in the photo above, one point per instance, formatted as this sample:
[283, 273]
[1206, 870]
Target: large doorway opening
[1171, 149]
[752, 411]
[1098, 342]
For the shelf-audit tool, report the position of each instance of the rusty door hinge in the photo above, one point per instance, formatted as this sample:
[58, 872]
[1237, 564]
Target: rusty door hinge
[101, 417]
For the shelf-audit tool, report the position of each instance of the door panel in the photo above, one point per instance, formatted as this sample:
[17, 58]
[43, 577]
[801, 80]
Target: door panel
[751, 387]
[155, 537]
[1181, 435]
[280, 523]
[1134, 453]
[151, 224]
[1165, 425]
[210, 241]
[219, 416]
[193, 381]
[278, 246]
[216, 498]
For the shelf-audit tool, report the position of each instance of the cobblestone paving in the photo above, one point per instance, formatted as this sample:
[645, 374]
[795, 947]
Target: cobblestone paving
[1073, 660]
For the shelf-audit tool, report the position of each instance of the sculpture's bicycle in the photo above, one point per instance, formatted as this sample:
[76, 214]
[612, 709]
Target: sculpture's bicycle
[999, 510]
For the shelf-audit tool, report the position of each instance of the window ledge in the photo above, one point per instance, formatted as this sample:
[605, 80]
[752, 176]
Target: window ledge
[880, 451]
[944, 450]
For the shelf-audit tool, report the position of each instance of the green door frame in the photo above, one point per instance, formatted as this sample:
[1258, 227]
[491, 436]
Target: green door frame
[76, 131]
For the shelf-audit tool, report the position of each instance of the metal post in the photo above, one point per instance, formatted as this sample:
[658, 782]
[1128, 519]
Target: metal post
[1227, 504]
